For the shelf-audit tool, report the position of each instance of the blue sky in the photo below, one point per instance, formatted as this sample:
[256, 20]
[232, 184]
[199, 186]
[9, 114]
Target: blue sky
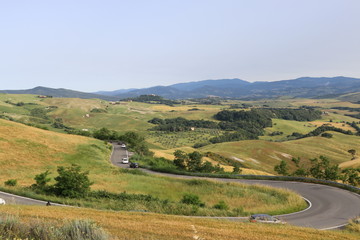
[92, 45]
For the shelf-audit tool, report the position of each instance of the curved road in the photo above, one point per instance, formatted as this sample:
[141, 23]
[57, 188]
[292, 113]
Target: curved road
[15, 199]
[330, 207]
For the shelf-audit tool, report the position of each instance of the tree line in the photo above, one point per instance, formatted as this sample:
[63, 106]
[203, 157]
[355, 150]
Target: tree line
[152, 99]
[240, 125]
[134, 141]
[320, 168]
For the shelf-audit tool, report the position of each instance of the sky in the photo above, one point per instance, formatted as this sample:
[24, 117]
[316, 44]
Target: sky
[90, 45]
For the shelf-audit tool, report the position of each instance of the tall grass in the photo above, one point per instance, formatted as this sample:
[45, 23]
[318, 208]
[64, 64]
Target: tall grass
[136, 226]
[12, 228]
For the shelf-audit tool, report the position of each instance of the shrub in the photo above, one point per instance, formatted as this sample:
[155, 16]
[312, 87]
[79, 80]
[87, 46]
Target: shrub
[326, 135]
[192, 199]
[41, 181]
[199, 145]
[71, 182]
[11, 182]
[221, 205]
[98, 110]
[83, 230]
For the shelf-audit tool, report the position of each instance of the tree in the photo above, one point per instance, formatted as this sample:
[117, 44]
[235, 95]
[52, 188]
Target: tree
[194, 162]
[300, 172]
[192, 199]
[41, 180]
[104, 134]
[71, 182]
[281, 168]
[237, 169]
[352, 152]
[181, 159]
[323, 169]
[296, 161]
[351, 176]
[326, 135]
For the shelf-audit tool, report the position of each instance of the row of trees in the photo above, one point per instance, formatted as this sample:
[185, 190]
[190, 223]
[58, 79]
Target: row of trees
[180, 124]
[135, 141]
[264, 115]
[324, 128]
[320, 168]
[193, 162]
[152, 99]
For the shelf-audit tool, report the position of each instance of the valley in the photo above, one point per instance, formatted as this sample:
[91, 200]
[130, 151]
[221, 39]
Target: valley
[40, 134]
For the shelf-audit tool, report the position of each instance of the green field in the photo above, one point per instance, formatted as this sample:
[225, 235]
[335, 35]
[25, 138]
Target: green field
[260, 154]
[27, 151]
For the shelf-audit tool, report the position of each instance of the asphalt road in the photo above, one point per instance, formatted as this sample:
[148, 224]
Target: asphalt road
[329, 208]
[15, 199]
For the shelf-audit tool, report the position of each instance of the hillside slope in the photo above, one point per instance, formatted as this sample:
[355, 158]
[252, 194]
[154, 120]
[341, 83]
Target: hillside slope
[125, 225]
[264, 155]
[26, 151]
[61, 92]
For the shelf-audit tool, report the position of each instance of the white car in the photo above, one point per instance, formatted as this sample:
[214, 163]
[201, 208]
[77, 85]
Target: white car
[125, 160]
[123, 145]
[2, 201]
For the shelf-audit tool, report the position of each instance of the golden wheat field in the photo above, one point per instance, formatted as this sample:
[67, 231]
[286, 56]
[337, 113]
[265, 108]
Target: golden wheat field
[132, 225]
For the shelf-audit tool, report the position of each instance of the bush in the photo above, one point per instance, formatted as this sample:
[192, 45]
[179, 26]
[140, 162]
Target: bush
[71, 182]
[192, 199]
[98, 110]
[83, 230]
[221, 205]
[11, 182]
[41, 181]
[199, 145]
[326, 135]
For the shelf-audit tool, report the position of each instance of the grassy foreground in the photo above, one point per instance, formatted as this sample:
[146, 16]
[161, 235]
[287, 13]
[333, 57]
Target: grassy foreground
[124, 225]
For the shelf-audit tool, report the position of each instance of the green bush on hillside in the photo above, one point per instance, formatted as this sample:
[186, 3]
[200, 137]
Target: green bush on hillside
[11, 182]
[192, 199]
[71, 182]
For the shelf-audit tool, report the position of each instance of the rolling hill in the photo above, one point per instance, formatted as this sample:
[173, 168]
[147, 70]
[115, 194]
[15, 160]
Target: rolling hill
[61, 93]
[305, 87]
[235, 88]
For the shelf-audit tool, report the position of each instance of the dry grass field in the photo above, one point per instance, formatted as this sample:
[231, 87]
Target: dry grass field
[139, 226]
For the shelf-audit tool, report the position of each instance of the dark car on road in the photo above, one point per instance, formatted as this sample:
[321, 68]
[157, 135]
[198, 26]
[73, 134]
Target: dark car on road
[134, 165]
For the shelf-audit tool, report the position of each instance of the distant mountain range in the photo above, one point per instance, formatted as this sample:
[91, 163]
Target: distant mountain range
[236, 88]
[307, 87]
[60, 92]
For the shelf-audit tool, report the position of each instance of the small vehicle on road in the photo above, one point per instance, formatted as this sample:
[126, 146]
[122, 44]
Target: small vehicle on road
[125, 160]
[123, 145]
[134, 165]
[264, 218]
[2, 201]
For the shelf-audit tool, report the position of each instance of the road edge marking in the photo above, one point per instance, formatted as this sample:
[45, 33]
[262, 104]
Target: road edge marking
[306, 209]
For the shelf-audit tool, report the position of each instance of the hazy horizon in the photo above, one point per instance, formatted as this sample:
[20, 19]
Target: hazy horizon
[90, 46]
